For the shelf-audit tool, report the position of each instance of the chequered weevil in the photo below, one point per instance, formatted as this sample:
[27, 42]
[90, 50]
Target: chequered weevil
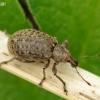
[30, 45]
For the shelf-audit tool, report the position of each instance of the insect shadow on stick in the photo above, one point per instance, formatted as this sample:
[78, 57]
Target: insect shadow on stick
[29, 45]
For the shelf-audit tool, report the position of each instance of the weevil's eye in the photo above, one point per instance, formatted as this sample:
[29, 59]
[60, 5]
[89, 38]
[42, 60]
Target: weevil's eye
[68, 60]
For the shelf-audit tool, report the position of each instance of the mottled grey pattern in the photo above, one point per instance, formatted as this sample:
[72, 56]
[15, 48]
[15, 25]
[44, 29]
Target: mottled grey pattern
[31, 44]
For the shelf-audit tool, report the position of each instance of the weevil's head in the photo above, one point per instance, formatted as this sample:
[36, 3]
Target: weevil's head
[61, 54]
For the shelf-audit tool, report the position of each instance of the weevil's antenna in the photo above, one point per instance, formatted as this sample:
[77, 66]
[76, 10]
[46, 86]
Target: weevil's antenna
[83, 58]
[89, 56]
[82, 77]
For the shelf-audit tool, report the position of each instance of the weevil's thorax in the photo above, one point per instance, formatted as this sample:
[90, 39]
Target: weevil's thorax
[61, 54]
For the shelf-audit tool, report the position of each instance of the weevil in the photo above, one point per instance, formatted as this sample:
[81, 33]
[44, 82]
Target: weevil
[30, 45]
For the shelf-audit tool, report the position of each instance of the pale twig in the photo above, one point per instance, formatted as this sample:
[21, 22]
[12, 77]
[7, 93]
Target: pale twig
[33, 72]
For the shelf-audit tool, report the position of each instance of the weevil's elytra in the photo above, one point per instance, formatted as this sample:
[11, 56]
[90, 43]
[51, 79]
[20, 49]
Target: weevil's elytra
[29, 45]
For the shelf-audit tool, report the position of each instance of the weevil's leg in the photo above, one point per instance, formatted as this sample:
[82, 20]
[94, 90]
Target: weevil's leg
[44, 74]
[54, 69]
[5, 31]
[65, 44]
[16, 58]
[23, 60]
[5, 62]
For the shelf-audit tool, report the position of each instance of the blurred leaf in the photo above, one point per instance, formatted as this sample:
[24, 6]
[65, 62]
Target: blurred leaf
[74, 20]
[77, 21]
[12, 17]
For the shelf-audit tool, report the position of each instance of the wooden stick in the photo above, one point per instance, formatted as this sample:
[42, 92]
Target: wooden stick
[33, 72]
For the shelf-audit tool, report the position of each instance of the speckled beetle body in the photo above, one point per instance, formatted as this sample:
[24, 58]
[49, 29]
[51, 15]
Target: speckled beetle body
[29, 45]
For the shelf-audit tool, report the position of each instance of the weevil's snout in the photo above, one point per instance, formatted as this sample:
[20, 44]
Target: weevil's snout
[61, 54]
[70, 59]
[73, 62]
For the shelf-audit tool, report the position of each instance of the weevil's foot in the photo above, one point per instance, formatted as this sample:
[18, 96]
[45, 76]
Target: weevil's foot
[3, 63]
[40, 84]
[65, 91]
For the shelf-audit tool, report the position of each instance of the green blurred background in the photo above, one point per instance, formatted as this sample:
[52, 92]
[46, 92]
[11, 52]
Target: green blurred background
[78, 21]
